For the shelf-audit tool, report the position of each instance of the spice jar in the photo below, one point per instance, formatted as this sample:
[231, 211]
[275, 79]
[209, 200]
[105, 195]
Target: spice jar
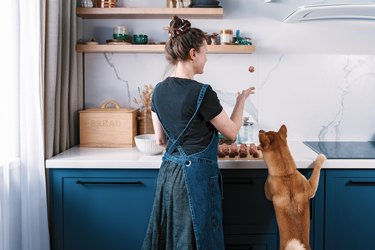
[245, 135]
[226, 36]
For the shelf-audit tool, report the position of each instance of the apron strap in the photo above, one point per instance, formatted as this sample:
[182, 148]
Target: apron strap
[176, 141]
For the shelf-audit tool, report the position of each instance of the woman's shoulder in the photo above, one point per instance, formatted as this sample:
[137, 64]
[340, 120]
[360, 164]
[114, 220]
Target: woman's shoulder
[182, 84]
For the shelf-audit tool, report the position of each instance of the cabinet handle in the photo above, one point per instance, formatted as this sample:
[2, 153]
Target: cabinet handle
[109, 182]
[239, 182]
[360, 183]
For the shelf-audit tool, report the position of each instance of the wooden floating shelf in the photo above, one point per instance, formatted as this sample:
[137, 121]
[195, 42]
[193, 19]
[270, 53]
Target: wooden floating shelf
[117, 13]
[231, 49]
[159, 48]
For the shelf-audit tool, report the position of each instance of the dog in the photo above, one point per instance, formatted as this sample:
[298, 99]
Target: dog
[288, 189]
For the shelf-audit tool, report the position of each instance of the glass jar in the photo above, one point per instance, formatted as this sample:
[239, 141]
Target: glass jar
[226, 37]
[120, 32]
[245, 135]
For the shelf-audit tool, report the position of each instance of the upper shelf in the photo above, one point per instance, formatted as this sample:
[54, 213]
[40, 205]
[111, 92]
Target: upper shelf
[159, 48]
[118, 13]
[131, 13]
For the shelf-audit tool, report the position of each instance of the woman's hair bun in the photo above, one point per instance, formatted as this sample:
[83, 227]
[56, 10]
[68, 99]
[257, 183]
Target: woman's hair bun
[178, 26]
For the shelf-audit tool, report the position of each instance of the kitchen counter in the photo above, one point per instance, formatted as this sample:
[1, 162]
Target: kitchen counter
[109, 158]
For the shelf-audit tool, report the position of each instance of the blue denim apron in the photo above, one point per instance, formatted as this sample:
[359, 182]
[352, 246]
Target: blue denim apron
[203, 179]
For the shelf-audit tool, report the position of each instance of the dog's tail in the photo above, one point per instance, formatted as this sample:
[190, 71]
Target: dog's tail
[294, 244]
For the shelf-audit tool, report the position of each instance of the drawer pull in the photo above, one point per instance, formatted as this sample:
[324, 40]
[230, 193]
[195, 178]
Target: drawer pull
[109, 182]
[360, 183]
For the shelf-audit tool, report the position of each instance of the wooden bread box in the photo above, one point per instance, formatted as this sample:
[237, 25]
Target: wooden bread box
[108, 127]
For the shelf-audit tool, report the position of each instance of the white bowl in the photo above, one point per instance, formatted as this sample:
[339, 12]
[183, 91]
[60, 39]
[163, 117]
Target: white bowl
[146, 143]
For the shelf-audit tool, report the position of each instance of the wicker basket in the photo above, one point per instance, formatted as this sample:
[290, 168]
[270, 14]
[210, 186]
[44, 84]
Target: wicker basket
[106, 3]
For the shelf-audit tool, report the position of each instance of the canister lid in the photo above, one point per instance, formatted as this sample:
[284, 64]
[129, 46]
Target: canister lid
[226, 31]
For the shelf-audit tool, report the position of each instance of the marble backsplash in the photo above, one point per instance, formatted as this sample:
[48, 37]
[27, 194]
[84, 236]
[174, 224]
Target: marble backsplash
[318, 96]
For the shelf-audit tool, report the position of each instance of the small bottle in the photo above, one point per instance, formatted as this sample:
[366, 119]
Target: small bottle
[245, 135]
[236, 39]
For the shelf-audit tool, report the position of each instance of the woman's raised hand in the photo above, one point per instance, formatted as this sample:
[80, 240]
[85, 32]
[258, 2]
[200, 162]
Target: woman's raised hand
[244, 94]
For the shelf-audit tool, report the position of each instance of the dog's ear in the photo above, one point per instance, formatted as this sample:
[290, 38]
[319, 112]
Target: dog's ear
[283, 131]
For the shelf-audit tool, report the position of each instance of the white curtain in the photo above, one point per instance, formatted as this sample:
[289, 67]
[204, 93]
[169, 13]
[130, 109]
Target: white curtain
[23, 202]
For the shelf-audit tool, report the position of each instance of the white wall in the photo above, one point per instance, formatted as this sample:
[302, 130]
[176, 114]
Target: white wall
[318, 77]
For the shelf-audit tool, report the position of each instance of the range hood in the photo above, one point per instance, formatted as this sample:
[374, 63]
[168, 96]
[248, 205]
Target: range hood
[332, 11]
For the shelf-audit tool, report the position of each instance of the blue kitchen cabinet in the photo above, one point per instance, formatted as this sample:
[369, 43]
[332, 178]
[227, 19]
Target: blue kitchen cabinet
[249, 218]
[317, 212]
[246, 209]
[350, 206]
[110, 208]
[100, 209]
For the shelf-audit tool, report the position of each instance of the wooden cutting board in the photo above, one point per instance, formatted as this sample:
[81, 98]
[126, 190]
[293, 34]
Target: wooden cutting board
[238, 158]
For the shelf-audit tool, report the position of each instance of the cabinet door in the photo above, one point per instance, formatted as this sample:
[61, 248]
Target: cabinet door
[251, 242]
[316, 212]
[350, 206]
[104, 211]
[247, 211]
[245, 207]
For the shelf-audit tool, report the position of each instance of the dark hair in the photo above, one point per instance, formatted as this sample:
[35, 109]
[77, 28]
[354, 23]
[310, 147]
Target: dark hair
[182, 38]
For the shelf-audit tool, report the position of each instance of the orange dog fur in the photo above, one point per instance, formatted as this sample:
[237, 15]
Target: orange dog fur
[288, 189]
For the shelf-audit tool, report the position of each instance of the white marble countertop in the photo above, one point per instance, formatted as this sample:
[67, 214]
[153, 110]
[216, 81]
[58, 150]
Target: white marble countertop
[109, 158]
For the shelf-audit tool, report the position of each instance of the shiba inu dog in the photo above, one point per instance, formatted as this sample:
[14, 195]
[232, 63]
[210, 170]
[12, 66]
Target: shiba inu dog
[289, 191]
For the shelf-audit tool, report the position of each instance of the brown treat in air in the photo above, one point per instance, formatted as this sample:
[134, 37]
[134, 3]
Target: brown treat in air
[251, 69]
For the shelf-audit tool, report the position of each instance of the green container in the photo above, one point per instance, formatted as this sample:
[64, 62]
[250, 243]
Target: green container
[120, 36]
[140, 39]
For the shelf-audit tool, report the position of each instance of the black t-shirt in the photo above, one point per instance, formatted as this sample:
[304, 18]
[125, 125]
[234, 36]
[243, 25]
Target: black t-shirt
[176, 100]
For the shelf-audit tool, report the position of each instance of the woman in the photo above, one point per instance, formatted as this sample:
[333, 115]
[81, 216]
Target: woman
[187, 116]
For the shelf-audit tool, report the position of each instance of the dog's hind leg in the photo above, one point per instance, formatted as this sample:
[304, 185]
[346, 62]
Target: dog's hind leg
[267, 190]
[314, 178]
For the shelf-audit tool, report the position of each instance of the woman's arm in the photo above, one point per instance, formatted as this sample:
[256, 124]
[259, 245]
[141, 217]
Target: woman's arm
[229, 126]
[159, 132]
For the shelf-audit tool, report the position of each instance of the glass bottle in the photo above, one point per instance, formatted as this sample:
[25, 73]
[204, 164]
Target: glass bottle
[245, 135]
